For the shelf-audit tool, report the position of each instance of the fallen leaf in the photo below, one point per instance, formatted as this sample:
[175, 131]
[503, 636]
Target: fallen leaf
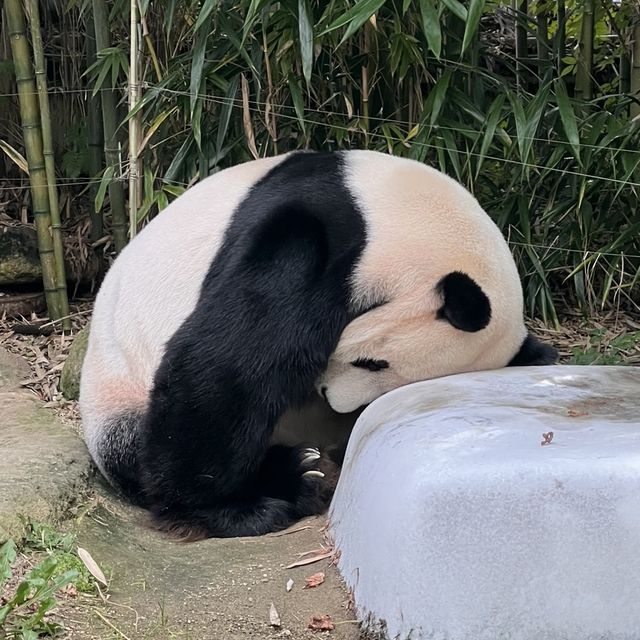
[311, 560]
[274, 618]
[321, 623]
[315, 580]
[92, 566]
[289, 584]
[547, 438]
[574, 413]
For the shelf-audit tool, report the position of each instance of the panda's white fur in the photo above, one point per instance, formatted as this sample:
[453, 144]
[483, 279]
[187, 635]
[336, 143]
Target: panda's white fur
[149, 291]
[419, 226]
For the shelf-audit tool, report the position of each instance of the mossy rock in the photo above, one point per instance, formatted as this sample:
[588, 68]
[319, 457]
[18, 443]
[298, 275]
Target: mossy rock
[70, 377]
[19, 259]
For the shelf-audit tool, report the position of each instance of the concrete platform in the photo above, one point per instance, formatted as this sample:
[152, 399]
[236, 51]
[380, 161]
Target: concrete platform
[455, 522]
[44, 467]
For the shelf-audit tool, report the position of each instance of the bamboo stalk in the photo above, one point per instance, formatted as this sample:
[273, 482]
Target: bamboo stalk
[109, 124]
[561, 34]
[134, 123]
[30, 117]
[542, 28]
[584, 73]
[635, 65]
[520, 9]
[94, 134]
[49, 163]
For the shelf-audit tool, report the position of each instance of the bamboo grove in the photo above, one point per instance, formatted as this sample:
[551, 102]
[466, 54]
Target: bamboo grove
[534, 105]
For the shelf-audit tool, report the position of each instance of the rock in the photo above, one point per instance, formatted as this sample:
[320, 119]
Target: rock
[498, 504]
[44, 466]
[70, 376]
[19, 259]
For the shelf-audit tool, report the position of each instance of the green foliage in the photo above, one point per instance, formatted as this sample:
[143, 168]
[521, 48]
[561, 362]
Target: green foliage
[24, 615]
[598, 351]
[423, 79]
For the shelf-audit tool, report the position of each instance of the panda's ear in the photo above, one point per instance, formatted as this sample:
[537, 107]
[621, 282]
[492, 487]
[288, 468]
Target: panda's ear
[465, 305]
[534, 353]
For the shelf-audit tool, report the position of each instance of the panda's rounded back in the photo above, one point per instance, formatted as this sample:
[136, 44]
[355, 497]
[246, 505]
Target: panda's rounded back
[152, 286]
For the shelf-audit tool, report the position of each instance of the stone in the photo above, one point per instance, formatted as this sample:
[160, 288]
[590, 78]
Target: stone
[498, 504]
[70, 375]
[19, 258]
[45, 467]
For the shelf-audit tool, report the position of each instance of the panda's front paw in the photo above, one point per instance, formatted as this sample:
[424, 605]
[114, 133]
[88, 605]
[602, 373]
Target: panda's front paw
[309, 460]
[318, 479]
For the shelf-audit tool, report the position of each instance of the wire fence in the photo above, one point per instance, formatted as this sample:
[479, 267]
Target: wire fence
[261, 106]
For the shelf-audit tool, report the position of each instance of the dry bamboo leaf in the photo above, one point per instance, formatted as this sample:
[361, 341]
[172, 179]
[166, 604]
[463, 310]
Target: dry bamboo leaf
[287, 532]
[274, 618]
[321, 623]
[246, 118]
[314, 581]
[92, 566]
[311, 560]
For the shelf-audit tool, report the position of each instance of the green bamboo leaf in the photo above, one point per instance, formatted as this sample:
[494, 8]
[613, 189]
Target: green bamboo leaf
[431, 26]
[457, 8]
[169, 13]
[568, 118]
[437, 96]
[207, 7]
[298, 101]
[107, 176]
[8, 554]
[355, 17]
[405, 6]
[472, 23]
[453, 153]
[534, 114]
[179, 158]
[305, 27]
[226, 111]
[493, 117]
[197, 64]
[252, 14]
[237, 43]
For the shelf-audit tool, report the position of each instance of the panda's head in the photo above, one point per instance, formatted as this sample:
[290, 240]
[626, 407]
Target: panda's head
[405, 341]
[435, 292]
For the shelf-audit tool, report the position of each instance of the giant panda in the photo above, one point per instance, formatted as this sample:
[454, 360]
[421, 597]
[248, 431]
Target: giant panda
[303, 278]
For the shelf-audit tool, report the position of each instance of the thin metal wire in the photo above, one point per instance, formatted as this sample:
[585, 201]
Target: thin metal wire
[381, 119]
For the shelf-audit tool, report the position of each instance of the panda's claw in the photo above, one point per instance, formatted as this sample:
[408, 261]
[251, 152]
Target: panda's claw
[313, 474]
[307, 450]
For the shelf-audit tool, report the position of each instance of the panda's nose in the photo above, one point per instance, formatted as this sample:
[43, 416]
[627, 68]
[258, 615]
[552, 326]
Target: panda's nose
[323, 391]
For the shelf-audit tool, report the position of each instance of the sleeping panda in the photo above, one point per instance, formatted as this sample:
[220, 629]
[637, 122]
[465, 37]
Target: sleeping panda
[303, 278]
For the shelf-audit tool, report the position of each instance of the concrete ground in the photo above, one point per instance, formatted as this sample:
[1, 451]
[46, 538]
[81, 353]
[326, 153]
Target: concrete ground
[215, 589]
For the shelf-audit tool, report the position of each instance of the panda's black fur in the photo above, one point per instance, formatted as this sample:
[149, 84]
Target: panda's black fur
[270, 312]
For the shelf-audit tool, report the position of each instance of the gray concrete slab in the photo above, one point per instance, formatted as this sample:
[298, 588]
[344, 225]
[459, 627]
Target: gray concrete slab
[209, 590]
[455, 522]
[44, 467]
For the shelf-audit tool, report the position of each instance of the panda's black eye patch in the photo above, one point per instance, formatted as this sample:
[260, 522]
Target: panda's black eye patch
[370, 365]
